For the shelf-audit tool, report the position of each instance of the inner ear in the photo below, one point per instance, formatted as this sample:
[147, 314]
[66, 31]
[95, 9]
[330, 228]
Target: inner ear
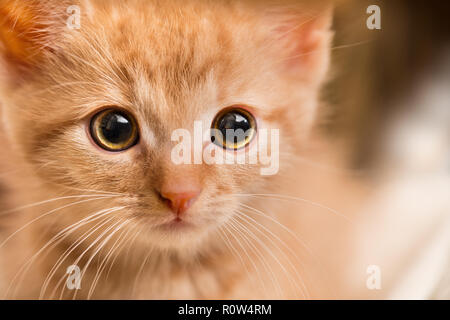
[302, 37]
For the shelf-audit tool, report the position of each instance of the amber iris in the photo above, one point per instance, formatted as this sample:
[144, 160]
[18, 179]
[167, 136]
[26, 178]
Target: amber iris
[234, 128]
[114, 130]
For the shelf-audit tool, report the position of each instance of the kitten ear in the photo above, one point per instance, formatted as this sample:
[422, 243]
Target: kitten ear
[28, 29]
[303, 38]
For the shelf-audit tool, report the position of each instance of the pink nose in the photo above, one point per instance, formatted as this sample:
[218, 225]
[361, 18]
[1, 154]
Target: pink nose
[180, 202]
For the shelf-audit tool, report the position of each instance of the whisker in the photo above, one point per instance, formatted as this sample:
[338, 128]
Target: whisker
[121, 239]
[83, 253]
[290, 232]
[339, 47]
[100, 246]
[228, 224]
[74, 245]
[130, 242]
[259, 254]
[139, 274]
[344, 46]
[48, 213]
[251, 222]
[330, 169]
[288, 31]
[140, 270]
[48, 201]
[55, 241]
[94, 190]
[292, 198]
[236, 253]
[266, 248]
[71, 188]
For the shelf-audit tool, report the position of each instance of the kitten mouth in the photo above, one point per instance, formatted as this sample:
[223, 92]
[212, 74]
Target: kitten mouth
[175, 225]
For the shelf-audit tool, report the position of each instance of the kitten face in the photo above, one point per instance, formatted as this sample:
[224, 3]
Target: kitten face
[166, 67]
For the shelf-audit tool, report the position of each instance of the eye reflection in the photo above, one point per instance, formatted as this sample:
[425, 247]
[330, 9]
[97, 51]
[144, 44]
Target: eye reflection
[234, 128]
[114, 130]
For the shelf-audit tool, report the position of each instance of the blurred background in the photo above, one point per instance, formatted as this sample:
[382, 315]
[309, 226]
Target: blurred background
[389, 98]
[375, 69]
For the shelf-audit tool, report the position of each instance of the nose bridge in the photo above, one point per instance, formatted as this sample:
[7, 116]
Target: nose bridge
[163, 125]
[177, 183]
[179, 176]
[185, 145]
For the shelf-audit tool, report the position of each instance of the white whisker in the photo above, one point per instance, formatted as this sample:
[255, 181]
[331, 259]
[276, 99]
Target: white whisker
[114, 248]
[99, 247]
[259, 255]
[72, 247]
[257, 226]
[48, 213]
[292, 198]
[239, 243]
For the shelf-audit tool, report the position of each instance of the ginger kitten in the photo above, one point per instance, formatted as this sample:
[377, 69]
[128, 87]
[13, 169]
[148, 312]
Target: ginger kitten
[88, 114]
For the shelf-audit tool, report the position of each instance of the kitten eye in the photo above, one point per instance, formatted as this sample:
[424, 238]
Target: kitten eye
[114, 130]
[237, 128]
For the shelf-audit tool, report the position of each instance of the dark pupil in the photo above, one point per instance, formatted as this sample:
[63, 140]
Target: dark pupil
[237, 122]
[116, 128]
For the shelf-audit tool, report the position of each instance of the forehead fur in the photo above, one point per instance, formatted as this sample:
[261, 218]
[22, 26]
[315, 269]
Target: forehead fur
[170, 62]
[149, 54]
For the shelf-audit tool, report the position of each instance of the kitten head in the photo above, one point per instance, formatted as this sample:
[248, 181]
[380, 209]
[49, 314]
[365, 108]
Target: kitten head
[96, 95]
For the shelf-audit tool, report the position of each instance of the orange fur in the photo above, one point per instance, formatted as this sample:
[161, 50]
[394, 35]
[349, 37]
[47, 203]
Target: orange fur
[169, 63]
